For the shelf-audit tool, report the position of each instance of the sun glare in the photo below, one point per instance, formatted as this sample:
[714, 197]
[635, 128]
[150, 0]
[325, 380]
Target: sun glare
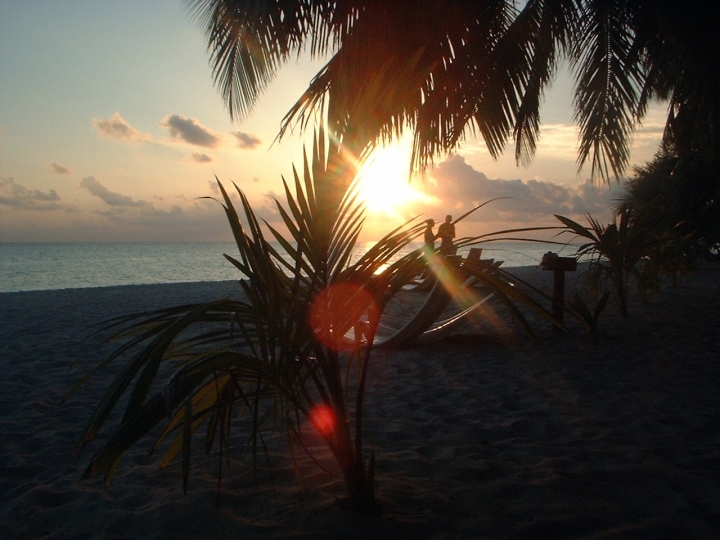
[385, 184]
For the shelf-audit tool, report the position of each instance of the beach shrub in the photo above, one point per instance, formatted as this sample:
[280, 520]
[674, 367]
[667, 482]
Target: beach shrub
[614, 253]
[680, 199]
[279, 356]
[590, 317]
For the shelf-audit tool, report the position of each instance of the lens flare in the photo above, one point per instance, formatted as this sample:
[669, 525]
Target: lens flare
[323, 419]
[453, 281]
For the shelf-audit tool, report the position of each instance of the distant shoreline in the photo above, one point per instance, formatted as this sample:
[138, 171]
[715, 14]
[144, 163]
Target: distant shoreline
[54, 266]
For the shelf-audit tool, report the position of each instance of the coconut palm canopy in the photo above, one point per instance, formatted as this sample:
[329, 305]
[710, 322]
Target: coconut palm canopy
[445, 69]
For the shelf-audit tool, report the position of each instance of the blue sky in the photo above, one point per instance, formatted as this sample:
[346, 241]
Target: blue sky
[111, 130]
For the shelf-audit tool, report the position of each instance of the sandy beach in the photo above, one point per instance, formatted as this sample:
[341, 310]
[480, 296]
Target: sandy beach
[482, 435]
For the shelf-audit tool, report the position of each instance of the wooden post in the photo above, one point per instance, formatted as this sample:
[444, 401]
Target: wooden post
[558, 296]
[558, 265]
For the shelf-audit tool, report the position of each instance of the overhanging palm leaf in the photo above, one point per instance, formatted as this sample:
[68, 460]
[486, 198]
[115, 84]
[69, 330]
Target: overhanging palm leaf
[444, 67]
[614, 251]
[609, 76]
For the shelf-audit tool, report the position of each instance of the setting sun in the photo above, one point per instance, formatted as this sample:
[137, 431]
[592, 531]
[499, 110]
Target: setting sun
[385, 185]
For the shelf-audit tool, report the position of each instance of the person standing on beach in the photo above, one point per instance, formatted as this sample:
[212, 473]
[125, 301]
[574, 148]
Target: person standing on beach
[429, 247]
[446, 232]
[429, 236]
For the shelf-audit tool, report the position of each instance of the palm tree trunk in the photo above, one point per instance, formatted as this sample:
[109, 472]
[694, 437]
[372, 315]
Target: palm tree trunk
[621, 289]
[361, 488]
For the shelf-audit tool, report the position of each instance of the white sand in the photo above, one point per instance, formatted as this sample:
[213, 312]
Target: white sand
[484, 435]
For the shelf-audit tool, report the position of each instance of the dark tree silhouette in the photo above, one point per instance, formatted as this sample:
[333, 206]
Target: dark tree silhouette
[446, 69]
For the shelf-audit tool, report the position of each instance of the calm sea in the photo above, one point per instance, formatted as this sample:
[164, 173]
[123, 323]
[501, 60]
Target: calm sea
[43, 266]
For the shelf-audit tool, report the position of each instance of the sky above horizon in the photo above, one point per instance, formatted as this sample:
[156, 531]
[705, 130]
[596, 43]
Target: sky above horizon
[111, 130]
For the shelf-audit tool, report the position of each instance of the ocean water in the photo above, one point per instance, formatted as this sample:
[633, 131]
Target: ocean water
[44, 266]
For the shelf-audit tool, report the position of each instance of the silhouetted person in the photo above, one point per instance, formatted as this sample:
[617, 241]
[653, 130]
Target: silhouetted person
[446, 232]
[430, 235]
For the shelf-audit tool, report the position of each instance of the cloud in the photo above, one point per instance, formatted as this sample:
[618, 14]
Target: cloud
[119, 217]
[18, 196]
[214, 188]
[196, 221]
[200, 158]
[128, 211]
[109, 197]
[116, 127]
[143, 214]
[187, 219]
[190, 131]
[461, 188]
[247, 141]
[59, 169]
[558, 141]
